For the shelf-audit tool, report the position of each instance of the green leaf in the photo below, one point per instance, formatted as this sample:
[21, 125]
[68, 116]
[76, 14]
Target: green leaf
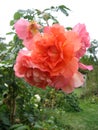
[22, 128]
[64, 9]
[15, 126]
[9, 33]
[17, 16]
[12, 22]
[19, 127]
[69, 28]
[38, 126]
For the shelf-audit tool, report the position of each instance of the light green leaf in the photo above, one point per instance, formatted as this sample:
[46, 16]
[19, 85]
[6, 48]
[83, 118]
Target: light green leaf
[17, 15]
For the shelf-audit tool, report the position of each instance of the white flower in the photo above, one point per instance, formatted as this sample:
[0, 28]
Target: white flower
[38, 98]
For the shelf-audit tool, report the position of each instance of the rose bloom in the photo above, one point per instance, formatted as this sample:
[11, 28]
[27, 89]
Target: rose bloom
[52, 56]
[54, 52]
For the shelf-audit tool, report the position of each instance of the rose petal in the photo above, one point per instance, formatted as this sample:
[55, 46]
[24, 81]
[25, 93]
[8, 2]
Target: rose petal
[85, 67]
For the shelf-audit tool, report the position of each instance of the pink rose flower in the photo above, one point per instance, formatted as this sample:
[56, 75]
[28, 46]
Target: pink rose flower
[26, 30]
[21, 28]
[85, 39]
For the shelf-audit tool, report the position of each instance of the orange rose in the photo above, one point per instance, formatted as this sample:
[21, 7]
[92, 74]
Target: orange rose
[54, 51]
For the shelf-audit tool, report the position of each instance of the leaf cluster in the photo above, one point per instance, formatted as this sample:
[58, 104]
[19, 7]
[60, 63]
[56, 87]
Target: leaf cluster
[43, 17]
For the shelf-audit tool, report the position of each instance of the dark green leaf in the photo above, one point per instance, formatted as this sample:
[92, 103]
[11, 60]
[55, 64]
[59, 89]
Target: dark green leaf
[69, 28]
[64, 9]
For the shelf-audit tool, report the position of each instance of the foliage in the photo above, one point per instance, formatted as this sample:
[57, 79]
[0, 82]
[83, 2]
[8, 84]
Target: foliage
[4, 117]
[43, 17]
[19, 127]
[93, 50]
[91, 87]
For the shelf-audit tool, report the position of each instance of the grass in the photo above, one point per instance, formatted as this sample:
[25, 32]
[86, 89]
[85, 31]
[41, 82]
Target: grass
[87, 119]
